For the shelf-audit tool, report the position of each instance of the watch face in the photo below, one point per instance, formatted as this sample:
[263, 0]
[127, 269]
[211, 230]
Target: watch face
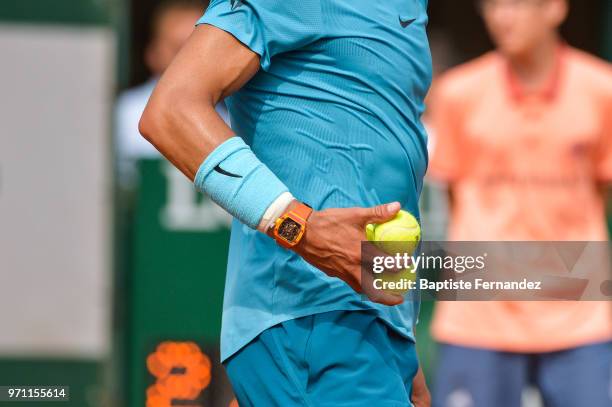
[289, 230]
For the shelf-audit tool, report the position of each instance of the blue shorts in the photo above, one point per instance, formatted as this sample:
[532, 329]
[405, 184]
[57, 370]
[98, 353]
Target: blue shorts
[339, 358]
[577, 377]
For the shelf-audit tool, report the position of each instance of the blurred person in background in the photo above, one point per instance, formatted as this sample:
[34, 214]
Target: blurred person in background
[172, 24]
[524, 142]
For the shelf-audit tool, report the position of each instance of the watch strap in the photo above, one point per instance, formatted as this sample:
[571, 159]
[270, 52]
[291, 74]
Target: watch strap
[302, 210]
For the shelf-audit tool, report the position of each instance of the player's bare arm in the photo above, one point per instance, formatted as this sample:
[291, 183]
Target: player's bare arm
[181, 122]
[420, 393]
[180, 119]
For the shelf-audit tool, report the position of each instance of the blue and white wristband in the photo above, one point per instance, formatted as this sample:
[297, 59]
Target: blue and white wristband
[237, 181]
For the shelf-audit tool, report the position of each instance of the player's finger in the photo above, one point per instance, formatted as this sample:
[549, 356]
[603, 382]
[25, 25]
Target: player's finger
[370, 253]
[380, 213]
[378, 295]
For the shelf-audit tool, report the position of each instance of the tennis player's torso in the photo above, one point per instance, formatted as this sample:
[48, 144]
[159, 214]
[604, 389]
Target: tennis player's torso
[337, 119]
[347, 106]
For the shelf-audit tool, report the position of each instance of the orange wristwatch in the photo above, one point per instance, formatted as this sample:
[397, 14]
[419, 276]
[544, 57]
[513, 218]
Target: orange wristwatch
[290, 227]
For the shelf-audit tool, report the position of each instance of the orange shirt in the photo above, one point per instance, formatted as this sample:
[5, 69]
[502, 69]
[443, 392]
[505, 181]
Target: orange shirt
[524, 167]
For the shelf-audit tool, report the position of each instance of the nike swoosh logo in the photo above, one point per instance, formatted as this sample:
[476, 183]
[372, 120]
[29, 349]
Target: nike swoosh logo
[223, 172]
[406, 23]
[235, 4]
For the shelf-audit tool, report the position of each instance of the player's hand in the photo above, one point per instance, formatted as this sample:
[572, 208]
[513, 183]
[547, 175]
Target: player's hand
[420, 393]
[332, 243]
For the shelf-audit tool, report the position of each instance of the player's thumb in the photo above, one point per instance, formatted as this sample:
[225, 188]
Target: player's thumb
[382, 213]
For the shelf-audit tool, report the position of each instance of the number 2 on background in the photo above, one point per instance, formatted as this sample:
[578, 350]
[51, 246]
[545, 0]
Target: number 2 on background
[181, 370]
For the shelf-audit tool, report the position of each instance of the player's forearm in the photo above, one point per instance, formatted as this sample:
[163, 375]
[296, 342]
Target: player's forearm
[420, 393]
[180, 119]
[197, 141]
[184, 131]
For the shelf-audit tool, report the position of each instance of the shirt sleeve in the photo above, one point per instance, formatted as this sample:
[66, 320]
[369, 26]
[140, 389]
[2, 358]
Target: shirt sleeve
[267, 27]
[445, 163]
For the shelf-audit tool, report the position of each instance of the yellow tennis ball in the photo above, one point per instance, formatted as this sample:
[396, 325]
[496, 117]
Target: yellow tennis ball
[401, 234]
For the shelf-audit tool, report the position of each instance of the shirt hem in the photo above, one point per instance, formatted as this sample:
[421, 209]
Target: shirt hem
[246, 339]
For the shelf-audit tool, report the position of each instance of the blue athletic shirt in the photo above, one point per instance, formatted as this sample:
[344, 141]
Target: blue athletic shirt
[335, 113]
